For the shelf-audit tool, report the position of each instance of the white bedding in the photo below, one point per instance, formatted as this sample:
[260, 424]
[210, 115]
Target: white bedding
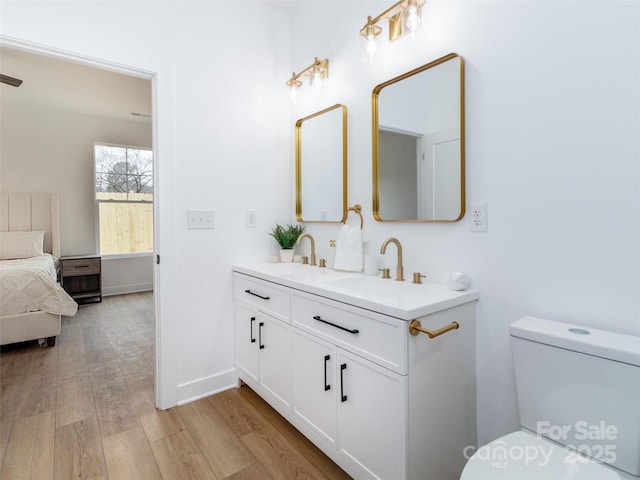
[29, 284]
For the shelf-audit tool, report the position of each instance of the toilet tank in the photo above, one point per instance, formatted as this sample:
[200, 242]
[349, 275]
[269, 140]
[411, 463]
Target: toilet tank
[580, 387]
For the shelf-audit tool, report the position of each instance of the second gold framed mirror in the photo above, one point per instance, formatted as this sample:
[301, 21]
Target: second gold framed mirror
[418, 144]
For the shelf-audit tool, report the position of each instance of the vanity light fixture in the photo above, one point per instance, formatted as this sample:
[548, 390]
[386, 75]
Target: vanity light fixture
[403, 16]
[317, 72]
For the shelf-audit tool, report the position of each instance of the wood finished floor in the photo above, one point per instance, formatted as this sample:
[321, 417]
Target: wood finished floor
[84, 410]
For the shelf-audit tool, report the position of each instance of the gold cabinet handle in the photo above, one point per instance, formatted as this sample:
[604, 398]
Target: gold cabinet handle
[415, 327]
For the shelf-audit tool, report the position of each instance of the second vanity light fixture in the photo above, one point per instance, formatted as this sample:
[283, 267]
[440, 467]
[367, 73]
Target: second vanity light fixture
[317, 72]
[403, 16]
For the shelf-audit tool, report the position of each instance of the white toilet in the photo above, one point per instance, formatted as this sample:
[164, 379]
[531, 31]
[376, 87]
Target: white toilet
[577, 387]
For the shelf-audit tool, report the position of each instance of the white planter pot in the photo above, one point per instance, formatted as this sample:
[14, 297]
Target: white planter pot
[286, 255]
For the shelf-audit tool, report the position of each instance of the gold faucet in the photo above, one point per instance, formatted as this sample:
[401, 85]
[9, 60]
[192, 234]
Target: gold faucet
[313, 246]
[400, 268]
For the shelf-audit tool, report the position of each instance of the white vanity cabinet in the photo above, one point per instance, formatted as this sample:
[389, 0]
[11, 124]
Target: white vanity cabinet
[262, 338]
[343, 405]
[339, 397]
[372, 418]
[382, 403]
[316, 385]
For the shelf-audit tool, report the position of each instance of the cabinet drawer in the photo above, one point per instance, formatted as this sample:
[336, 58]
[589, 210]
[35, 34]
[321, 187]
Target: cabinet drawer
[380, 338]
[81, 266]
[268, 297]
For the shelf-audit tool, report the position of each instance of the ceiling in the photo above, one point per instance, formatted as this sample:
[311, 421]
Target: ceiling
[57, 84]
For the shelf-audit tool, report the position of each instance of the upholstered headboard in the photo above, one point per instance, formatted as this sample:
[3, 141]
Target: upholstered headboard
[26, 212]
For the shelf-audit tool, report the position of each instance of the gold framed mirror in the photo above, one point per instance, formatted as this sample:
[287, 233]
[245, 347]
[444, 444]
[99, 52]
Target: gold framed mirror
[418, 144]
[321, 165]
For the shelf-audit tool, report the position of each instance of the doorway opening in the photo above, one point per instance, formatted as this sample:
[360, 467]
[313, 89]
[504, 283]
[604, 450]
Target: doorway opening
[77, 97]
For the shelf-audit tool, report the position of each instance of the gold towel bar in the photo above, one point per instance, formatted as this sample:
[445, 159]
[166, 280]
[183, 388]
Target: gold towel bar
[415, 327]
[358, 209]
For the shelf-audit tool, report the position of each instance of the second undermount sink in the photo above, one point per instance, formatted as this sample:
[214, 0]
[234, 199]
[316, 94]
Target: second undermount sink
[377, 287]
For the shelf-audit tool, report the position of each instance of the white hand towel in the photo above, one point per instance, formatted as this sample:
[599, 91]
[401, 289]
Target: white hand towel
[349, 249]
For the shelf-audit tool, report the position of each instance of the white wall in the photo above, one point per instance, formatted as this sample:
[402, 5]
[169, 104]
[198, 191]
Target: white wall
[45, 150]
[127, 274]
[552, 144]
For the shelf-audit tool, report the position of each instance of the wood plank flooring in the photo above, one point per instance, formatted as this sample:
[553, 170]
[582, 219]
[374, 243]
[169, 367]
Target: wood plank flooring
[84, 409]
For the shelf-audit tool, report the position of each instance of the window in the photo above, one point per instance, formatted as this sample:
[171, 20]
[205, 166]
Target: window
[124, 194]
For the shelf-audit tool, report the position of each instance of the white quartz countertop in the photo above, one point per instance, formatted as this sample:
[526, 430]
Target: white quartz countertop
[403, 300]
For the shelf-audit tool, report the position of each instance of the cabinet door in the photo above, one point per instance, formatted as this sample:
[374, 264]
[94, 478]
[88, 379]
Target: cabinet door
[274, 344]
[372, 416]
[314, 384]
[245, 340]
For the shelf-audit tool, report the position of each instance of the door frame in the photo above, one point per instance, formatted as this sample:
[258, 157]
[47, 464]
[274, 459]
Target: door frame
[165, 373]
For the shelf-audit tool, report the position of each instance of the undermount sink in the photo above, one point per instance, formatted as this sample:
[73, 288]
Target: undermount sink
[376, 286]
[288, 269]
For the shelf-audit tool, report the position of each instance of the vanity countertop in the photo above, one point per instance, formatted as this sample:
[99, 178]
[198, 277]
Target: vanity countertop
[403, 300]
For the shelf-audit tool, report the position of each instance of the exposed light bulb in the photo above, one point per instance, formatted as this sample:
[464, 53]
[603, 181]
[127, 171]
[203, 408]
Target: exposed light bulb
[293, 93]
[316, 80]
[413, 20]
[372, 46]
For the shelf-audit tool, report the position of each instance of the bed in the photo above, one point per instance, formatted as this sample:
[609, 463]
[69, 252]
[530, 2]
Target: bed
[31, 300]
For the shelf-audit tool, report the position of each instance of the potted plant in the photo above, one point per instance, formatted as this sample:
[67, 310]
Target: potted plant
[287, 238]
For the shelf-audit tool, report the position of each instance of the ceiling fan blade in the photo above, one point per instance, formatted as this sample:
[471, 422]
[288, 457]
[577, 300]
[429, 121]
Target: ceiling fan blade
[14, 82]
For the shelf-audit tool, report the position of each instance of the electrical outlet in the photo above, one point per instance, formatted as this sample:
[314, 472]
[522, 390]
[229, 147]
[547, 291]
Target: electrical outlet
[200, 219]
[250, 218]
[478, 217]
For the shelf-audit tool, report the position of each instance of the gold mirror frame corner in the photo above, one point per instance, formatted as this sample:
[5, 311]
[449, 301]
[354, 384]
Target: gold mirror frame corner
[298, 163]
[375, 139]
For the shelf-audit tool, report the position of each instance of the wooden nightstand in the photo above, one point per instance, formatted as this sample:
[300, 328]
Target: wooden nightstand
[81, 277]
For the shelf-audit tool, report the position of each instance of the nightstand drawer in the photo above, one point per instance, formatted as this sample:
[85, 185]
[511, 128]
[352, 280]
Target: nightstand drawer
[82, 266]
[81, 277]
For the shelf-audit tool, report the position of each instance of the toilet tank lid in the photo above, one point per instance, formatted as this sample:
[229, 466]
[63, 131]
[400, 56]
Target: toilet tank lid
[591, 341]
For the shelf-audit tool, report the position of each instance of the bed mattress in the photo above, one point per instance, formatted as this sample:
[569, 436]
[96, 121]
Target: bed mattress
[29, 285]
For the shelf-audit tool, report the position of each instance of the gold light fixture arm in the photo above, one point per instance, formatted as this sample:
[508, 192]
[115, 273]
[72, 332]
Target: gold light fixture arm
[320, 66]
[415, 328]
[370, 28]
[392, 8]
[394, 14]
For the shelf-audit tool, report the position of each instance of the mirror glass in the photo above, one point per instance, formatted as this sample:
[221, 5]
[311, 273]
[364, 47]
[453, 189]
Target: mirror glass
[418, 144]
[321, 165]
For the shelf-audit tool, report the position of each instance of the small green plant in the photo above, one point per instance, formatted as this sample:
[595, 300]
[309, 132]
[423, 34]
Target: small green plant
[287, 236]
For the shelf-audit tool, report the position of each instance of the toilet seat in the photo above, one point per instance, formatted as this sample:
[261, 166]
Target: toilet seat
[525, 456]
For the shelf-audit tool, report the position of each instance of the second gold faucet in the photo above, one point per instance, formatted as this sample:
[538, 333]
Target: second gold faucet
[400, 267]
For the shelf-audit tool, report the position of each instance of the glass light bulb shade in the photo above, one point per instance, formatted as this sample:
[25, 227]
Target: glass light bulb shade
[293, 93]
[413, 19]
[316, 79]
[372, 46]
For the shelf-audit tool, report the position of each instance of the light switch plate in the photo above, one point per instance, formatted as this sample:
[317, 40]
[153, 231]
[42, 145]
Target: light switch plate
[200, 219]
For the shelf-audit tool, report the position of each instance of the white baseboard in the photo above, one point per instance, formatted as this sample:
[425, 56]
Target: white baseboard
[131, 288]
[204, 387]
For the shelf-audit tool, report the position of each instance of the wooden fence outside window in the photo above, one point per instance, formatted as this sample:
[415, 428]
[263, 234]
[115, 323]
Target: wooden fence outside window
[125, 227]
